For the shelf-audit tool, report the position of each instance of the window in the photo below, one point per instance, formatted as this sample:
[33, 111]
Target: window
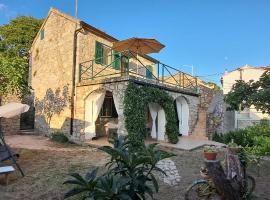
[102, 54]
[108, 108]
[116, 60]
[149, 72]
[42, 34]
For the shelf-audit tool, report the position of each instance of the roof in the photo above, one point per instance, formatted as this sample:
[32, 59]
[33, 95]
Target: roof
[247, 67]
[87, 26]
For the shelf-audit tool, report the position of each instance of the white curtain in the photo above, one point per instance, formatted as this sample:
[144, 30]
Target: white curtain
[153, 112]
[117, 100]
[93, 105]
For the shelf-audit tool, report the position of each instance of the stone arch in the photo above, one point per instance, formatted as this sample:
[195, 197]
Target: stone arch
[92, 105]
[182, 107]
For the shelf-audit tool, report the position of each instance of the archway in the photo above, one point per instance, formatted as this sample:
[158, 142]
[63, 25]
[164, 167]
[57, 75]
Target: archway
[183, 114]
[158, 121]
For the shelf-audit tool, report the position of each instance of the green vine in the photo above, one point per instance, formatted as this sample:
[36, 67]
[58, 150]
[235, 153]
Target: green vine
[135, 106]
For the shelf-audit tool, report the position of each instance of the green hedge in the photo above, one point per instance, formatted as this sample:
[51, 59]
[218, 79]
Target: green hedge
[59, 137]
[136, 103]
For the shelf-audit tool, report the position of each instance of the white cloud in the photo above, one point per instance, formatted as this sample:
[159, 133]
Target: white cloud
[2, 6]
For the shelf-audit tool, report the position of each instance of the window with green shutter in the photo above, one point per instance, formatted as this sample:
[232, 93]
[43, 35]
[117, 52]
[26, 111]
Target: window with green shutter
[99, 53]
[149, 72]
[41, 34]
[116, 60]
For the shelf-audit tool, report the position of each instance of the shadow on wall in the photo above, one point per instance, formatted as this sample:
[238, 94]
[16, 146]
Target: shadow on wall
[53, 103]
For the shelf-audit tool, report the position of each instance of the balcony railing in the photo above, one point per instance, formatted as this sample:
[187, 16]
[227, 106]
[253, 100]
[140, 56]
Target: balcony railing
[131, 64]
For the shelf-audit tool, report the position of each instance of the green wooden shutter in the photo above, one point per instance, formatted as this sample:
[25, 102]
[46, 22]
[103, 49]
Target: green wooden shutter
[149, 72]
[116, 60]
[99, 53]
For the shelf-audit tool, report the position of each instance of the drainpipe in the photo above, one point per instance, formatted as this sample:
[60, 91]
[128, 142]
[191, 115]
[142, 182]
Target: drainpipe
[73, 78]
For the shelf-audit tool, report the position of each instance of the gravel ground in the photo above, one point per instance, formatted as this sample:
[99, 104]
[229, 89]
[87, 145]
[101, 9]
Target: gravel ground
[46, 170]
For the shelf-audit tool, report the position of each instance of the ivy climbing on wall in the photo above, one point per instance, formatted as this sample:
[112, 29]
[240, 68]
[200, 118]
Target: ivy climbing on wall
[136, 101]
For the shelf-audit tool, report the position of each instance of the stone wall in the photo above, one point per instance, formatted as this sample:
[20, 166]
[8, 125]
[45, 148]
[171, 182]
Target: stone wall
[51, 72]
[83, 91]
[10, 126]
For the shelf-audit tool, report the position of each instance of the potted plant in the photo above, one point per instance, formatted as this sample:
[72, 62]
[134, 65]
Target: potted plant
[234, 148]
[210, 152]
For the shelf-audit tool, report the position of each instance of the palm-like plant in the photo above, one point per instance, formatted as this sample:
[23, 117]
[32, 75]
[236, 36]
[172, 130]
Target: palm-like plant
[129, 173]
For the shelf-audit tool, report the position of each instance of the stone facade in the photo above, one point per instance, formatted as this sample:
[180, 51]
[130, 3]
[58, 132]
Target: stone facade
[52, 80]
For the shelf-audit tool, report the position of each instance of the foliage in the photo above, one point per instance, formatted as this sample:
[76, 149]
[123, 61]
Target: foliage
[129, 174]
[15, 41]
[209, 149]
[13, 76]
[59, 137]
[255, 139]
[17, 36]
[245, 94]
[214, 86]
[136, 102]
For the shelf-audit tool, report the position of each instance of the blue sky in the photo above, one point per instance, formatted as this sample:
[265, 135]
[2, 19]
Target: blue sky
[211, 35]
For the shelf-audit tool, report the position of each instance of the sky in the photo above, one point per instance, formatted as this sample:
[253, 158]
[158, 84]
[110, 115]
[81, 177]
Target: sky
[211, 35]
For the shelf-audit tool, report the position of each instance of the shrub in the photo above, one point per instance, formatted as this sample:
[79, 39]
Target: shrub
[59, 137]
[255, 139]
[129, 173]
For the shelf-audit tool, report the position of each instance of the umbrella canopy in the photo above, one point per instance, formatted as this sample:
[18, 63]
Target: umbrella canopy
[13, 109]
[138, 45]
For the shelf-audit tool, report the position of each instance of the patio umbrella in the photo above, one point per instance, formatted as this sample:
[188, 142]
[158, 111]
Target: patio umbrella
[138, 45]
[13, 109]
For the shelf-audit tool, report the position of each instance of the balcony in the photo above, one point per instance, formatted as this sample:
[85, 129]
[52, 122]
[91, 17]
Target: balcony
[129, 65]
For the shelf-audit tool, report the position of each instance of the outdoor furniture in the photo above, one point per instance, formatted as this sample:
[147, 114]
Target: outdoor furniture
[6, 170]
[8, 111]
[110, 125]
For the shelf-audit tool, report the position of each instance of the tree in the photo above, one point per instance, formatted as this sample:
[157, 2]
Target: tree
[15, 41]
[245, 94]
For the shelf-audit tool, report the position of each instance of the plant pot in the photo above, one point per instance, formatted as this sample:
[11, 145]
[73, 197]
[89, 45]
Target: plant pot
[210, 155]
[234, 150]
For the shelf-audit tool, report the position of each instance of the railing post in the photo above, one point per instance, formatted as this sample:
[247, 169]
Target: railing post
[92, 72]
[196, 82]
[162, 73]
[158, 71]
[180, 79]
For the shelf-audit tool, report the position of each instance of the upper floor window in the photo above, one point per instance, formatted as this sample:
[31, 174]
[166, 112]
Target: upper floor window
[149, 72]
[42, 34]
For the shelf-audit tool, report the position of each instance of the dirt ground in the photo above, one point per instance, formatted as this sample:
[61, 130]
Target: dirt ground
[46, 170]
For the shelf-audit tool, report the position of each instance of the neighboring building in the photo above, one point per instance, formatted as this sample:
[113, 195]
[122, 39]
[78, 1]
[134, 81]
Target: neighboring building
[250, 115]
[79, 82]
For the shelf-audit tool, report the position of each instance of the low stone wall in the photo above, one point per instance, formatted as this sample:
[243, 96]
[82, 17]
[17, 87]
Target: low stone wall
[10, 126]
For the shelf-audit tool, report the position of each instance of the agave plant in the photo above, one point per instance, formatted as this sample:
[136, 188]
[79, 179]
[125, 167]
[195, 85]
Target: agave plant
[129, 174]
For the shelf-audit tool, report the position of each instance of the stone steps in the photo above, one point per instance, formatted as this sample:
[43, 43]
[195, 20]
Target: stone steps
[28, 132]
[199, 131]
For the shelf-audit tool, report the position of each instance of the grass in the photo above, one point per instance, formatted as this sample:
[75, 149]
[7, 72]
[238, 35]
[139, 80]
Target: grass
[47, 170]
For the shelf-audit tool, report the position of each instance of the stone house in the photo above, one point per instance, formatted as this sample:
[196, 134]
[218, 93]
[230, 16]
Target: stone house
[79, 82]
[242, 119]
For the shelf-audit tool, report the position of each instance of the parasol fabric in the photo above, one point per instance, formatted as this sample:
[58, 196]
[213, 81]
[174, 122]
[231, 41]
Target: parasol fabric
[13, 109]
[138, 45]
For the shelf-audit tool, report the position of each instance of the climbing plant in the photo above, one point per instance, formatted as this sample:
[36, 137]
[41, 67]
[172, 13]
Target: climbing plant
[136, 102]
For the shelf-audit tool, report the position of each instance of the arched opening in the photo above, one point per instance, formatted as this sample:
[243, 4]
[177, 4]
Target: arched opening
[157, 114]
[183, 115]
[100, 114]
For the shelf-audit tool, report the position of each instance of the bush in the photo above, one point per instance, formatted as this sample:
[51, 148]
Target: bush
[255, 139]
[59, 137]
[129, 174]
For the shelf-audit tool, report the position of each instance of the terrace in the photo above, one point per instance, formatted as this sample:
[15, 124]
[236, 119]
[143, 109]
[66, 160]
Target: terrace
[114, 66]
